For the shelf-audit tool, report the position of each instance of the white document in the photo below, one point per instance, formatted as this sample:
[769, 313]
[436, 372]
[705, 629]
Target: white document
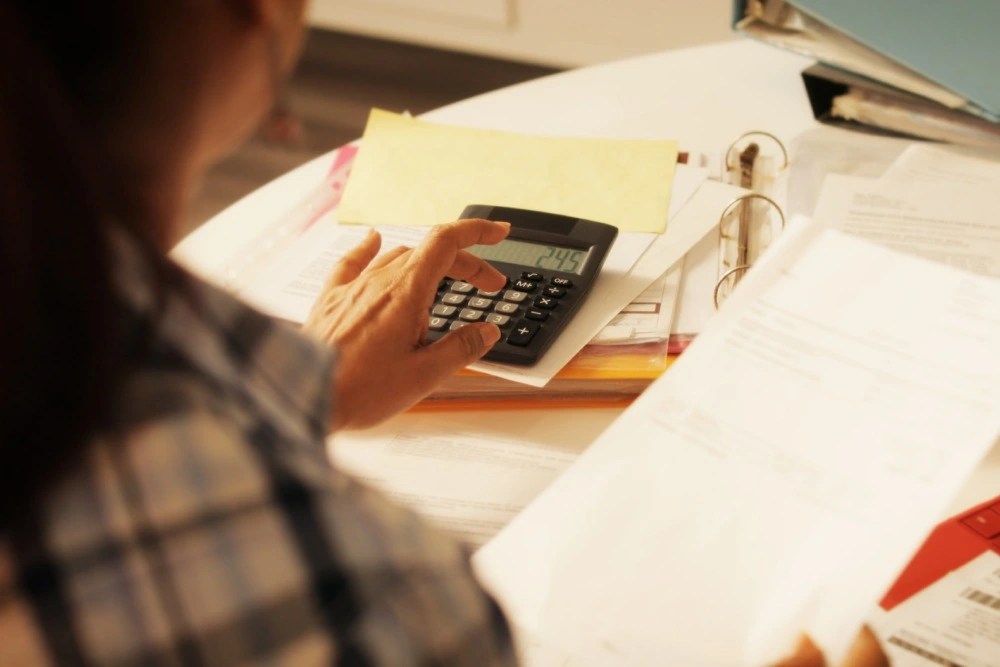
[948, 222]
[649, 316]
[469, 473]
[777, 478]
[288, 287]
[927, 163]
[954, 621]
[700, 274]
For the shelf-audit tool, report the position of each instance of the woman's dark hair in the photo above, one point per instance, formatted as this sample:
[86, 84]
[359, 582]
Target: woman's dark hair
[64, 65]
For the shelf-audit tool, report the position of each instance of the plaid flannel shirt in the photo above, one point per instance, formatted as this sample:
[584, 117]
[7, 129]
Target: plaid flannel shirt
[205, 525]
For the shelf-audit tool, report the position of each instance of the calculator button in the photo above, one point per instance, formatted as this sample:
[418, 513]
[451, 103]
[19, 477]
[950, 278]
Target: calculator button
[453, 299]
[462, 287]
[457, 325]
[488, 295]
[531, 275]
[441, 310]
[524, 285]
[537, 315]
[562, 282]
[555, 291]
[471, 315]
[514, 296]
[480, 303]
[506, 308]
[437, 324]
[545, 303]
[498, 320]
[522, 333]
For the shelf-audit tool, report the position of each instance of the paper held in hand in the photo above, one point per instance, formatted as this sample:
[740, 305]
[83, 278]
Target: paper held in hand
[777, 478]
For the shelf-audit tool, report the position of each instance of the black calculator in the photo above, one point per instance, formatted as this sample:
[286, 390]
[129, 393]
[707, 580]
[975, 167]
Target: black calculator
[551, 262]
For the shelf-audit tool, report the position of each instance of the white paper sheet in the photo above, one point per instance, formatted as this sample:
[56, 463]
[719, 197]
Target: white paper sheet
[777, 478]
[954, 621]
[926, 163]
[947, 222]
[649, 316]
[701, 272]
[289, 286]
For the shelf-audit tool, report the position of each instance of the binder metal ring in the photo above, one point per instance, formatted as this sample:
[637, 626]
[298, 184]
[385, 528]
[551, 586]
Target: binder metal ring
[742, 241]
[755, 133]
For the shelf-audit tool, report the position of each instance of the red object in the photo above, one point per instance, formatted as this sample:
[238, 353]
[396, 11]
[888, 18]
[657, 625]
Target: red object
[952, 544]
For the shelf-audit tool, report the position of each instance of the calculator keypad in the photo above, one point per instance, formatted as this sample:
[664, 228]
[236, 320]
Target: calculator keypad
[521, 309]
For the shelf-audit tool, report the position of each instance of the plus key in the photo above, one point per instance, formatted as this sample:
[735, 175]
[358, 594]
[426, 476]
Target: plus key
[522, 333]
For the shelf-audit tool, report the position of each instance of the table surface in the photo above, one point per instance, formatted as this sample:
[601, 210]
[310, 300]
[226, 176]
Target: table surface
[704, 97]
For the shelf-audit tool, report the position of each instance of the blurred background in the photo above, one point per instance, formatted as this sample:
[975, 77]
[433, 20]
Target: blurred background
[417, 55]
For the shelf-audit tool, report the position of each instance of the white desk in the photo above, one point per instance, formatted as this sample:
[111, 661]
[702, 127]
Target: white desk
[704, 97]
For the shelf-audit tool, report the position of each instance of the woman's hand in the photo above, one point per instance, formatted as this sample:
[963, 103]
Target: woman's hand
[376, 311]
[864, 652]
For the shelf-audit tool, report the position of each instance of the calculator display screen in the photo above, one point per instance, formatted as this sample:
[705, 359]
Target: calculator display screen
[534, 255]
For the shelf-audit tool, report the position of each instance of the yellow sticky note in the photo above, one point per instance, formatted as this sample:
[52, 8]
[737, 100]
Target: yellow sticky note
[412, 172]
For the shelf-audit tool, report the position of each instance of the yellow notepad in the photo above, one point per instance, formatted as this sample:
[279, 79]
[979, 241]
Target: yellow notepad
[412, 172]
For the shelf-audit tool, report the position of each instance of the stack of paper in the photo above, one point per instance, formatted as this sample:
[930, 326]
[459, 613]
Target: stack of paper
[599, 375]
[413, 174]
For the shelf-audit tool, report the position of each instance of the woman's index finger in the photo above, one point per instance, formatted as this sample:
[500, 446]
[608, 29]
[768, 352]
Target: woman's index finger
[431, 260]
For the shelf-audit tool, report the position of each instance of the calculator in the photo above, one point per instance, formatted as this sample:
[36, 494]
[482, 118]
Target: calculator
[551, 262]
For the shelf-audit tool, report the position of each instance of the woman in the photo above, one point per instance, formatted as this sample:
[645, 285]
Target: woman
[165, 494]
